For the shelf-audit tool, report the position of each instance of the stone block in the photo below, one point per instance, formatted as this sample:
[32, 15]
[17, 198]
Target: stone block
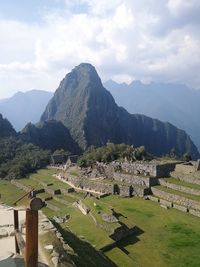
[155, 199]
[166, 203]
[179, 207]
[194, 212]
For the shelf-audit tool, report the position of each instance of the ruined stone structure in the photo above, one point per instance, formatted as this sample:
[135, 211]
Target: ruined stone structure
[82, 207]
[180, 188]
[152, 169]
[172, 198]
[120, 178]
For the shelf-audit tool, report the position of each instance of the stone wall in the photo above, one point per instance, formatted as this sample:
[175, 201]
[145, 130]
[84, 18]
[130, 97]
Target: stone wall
[138, 167]
[190, 178]
[82, 207]
[135, 179]
[163, 170]
[185, 168]
[125, 190]
[90, 185]
[180, 188]
[190, 204]
[152, 168]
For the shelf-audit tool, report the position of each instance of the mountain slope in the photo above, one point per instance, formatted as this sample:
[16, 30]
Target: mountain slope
[90, 113]
[51, 135]
[6, 129]
[25, 107]
[168, 102]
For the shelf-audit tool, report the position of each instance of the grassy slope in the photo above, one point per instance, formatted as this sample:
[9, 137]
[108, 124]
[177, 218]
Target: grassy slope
[168, 237]
[9, 193]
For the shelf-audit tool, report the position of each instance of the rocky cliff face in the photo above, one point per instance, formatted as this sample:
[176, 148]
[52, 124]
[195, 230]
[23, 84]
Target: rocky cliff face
[6, 129]
[90, 113]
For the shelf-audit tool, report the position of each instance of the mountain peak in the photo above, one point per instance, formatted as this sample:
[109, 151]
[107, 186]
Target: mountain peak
[82, 77]
[90, 113]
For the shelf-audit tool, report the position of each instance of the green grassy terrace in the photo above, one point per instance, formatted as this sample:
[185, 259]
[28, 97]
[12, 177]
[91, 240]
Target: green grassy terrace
[167, 238]
[182, 183]
[176, 192]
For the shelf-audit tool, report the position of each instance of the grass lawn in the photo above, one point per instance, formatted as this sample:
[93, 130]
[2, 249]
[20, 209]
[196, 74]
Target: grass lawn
[9, 193]
[167, 238]
[29, 182]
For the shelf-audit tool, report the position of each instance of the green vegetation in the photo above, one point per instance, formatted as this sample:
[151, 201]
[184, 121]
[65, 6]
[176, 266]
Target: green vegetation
[9, 193]
[167, 238]
[18, 159]
[112, 152]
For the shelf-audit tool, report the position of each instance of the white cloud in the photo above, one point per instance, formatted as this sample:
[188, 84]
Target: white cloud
[126, 40]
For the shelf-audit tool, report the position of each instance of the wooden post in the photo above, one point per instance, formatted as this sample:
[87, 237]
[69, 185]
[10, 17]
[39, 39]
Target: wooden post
[31, 250]
[16, 228]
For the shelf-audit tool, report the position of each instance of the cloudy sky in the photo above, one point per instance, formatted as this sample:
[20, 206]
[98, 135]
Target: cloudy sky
[150, 40]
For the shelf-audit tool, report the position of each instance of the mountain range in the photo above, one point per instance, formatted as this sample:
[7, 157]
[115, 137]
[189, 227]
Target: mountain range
[23, 108]
[90, 113]
[174, 103]
[82, 113]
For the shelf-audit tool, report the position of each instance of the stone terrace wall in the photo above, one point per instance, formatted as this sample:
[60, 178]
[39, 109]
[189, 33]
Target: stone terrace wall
[154, 169]
[163, 170]
[124, 190]
[176, 199]
[190, 178]
[87, 184]
[135, 179]
[106, 188]
[183, 168]
[139, 168]
[180, 188]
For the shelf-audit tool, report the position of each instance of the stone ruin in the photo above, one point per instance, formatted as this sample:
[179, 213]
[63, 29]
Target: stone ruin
[120, 178]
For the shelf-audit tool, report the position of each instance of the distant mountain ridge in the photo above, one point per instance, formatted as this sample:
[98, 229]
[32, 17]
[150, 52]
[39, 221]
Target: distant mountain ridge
[90, 113]
[174, 103]
[24, 107]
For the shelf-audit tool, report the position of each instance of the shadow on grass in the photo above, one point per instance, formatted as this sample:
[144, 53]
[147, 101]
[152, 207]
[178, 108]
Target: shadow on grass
[85, 254]
[129, 240]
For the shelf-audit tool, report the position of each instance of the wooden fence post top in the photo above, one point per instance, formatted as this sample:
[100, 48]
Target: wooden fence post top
[36, 203]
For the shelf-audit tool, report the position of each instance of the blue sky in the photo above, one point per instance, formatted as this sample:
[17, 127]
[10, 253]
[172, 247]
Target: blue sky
[148, 40]
[27, 10]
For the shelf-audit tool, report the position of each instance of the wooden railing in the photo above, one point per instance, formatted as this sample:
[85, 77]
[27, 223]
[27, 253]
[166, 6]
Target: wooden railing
[28, 248]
